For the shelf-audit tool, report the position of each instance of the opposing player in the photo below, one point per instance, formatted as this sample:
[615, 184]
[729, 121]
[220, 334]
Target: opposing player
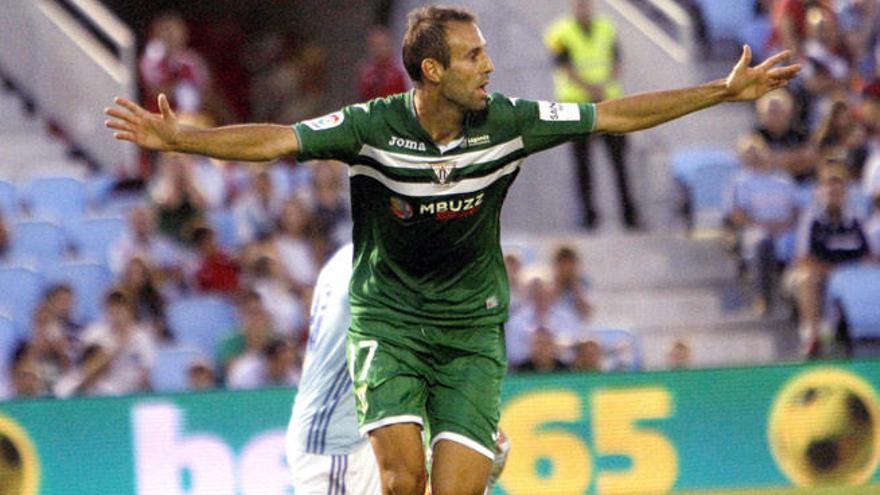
[325, 451]
[429, 170]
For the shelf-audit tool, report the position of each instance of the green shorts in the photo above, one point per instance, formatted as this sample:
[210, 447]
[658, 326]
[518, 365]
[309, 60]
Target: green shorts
[450, 378]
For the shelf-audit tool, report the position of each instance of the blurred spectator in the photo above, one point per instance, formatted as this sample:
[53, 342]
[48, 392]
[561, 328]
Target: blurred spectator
[763, 210]
[59, 301]
[513, 264]
[294, 243]
[25, 374]
[180, 200]
[789, 146]
[276, 365]
[790, 21]
[288, 83]
[570, 289]
[124, 347]
[381, 74]
[826, 68]
[542, 311]
[829, 235]
[588, 63]
[543, 354]
[679, 355]
[50, 346]
[289, 313]
[168, 65]
[139, 283]
[870, 113]
[216, 270]
[258, 209]
[588, 356]
[144, 241]
[860, 26]
[255, 332]
[201, 375]
[331, 212]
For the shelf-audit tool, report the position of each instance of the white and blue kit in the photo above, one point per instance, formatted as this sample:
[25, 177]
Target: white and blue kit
[327, 454]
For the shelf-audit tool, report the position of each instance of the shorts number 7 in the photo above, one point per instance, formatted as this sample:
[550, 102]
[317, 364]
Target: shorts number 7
[371, 346]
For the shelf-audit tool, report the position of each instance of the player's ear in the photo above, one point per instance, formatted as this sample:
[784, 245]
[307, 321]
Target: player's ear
[432, 70]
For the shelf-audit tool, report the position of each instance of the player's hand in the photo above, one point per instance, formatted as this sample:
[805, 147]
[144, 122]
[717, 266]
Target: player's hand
[748, 83]
[155, 131]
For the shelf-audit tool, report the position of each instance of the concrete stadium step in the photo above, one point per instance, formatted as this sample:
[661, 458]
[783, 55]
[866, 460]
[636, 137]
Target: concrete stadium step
[654, 308]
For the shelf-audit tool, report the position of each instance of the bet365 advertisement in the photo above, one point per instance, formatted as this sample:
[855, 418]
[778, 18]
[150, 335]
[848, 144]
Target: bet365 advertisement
[775, 426]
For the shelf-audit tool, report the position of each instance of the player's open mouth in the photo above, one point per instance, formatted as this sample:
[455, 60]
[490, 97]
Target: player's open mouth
[482, 88]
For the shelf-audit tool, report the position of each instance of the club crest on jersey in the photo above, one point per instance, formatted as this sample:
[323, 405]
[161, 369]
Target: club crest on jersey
[442, 172]
[407, 144]
[400, 208]
[328, 121]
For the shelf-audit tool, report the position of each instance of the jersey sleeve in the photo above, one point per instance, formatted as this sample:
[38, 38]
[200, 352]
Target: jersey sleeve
[545, 124]
[330, 137]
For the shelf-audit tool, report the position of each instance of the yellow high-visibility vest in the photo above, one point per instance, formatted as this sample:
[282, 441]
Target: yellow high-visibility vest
[592, 56]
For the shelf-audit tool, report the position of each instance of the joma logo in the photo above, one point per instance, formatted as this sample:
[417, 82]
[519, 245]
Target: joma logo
[409, 144]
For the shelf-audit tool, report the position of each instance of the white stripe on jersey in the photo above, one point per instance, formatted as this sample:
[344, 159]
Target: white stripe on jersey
[402, 160]
[426, 189]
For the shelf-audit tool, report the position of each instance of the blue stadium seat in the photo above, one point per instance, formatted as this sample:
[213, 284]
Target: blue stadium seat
[201, 322]
[99, 188]
[42, 242]
[704, 173]
[725, 17]
[855, 290]
[90, 283]
[170, 371]
[9, 202]
[614, 338]
[686, 161]
[20, 292]
[92, 237]
[225, 228]
[756, 33]
[58, 198]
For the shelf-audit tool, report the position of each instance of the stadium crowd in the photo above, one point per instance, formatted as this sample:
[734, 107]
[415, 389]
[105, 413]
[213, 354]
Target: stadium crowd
[807, 198]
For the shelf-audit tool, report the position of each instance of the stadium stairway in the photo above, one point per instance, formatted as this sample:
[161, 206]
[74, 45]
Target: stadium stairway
[27, 150]
[666, 286]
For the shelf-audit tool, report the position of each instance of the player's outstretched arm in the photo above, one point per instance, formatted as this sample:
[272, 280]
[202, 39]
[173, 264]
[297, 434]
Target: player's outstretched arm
[641, 111]
[162, 132]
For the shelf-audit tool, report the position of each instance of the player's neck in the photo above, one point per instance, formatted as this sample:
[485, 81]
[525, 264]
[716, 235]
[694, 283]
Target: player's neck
[441, 119]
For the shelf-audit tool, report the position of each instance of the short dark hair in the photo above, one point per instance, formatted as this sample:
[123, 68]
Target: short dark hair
[426, 36]
[565, 253]
[118, 297]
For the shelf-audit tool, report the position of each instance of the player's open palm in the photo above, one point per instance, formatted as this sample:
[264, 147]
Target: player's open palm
[155, 131]
[748, 83]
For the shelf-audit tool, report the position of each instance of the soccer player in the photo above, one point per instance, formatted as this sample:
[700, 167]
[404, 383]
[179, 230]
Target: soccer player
[325, 451]
[429, 170]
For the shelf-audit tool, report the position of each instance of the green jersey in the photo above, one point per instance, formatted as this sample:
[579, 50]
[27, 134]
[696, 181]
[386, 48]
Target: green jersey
[427, 217]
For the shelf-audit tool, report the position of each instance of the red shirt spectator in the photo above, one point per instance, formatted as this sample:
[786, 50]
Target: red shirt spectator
[380, 75]
[217, 271]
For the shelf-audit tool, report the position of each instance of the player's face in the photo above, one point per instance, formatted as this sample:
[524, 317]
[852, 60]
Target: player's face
[464, 82]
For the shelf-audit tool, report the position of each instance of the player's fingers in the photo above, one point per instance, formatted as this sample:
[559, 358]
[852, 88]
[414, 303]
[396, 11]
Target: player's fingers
[745, 59]
[119, 114]
[121, 126]
[124, 136]
[130, 105]
[775, 59]
[165, 107]
[785, 73]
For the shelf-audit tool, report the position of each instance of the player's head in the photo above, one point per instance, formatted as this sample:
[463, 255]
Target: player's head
[444, 48]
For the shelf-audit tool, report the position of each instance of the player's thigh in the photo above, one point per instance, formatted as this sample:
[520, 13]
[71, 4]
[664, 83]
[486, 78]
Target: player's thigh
[388, 381]
[400, 453]
[463, 405]
[459, 470]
